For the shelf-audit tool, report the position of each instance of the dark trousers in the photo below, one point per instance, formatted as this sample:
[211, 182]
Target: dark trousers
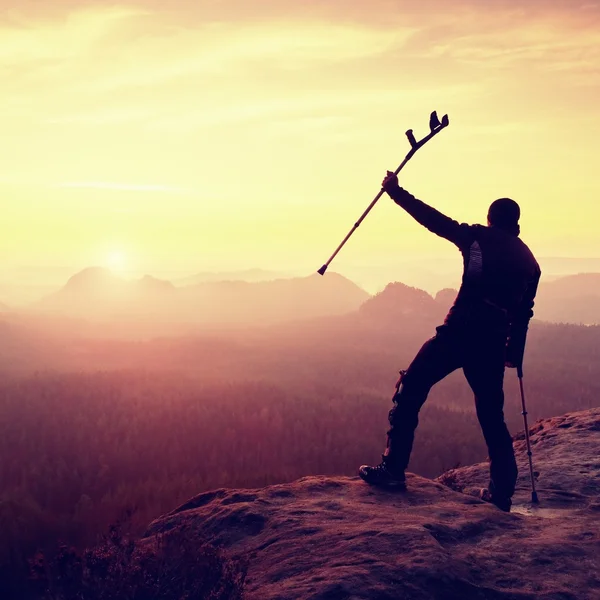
[481, 355]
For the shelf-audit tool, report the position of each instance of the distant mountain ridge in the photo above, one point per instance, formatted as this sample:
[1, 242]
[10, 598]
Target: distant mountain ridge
[578, 284]
[399, 300]
[248, 275]
[99, 277]
[570, 299]
[97, 293]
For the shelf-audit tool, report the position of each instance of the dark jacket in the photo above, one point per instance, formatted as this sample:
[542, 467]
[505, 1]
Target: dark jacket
[500, 276]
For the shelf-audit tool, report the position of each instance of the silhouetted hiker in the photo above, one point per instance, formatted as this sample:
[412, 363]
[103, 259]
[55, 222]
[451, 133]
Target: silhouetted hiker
[483, 333]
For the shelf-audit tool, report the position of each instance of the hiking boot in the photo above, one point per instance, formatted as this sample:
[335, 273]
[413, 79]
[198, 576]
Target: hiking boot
[383, 476]
[502, 503]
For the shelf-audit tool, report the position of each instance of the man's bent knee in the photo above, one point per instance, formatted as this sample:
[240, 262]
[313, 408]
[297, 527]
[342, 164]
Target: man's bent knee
[407, 404]
[404, 415]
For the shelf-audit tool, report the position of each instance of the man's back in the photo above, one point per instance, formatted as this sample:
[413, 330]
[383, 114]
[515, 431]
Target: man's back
[500, 278]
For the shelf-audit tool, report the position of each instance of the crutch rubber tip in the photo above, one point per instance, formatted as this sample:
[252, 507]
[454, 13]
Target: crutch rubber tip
[322, 270]
[534, 498]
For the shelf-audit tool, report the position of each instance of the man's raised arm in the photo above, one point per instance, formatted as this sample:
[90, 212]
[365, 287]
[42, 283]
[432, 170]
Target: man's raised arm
[426, 215]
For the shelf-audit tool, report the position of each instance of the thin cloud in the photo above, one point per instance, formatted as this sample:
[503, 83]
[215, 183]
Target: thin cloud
[120, 187]
[29, 40]
[104, 117]
[513, 41]
[322, 108]
[218, 49]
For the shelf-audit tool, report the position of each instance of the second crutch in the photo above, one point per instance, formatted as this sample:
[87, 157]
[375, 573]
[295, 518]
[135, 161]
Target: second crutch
[534, 496]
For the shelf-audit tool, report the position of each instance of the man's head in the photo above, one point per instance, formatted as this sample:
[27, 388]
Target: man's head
[504, 213]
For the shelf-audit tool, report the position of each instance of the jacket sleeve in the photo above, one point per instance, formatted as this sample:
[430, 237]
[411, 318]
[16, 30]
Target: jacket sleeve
[432, 219]
[515, 347]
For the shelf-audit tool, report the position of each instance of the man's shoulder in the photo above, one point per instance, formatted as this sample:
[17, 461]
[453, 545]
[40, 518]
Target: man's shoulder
[477, 230]
[472, 228]
[532, 259]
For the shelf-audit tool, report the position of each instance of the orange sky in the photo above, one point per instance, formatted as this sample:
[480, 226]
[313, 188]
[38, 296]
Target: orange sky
[218, 135]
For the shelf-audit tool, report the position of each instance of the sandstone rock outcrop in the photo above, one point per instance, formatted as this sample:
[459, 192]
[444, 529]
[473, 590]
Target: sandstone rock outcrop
[336, 538]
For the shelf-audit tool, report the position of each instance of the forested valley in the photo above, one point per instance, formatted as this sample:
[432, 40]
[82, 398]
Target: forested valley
[79, 449]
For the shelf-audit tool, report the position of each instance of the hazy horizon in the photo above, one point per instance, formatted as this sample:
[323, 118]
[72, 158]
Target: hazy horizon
[22, 285]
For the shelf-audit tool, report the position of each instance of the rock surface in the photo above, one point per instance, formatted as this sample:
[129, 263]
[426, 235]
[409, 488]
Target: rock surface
[337, 538]
[566, 465]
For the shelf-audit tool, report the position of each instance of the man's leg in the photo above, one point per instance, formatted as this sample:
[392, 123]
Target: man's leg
[438, 357]
[484, 370]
